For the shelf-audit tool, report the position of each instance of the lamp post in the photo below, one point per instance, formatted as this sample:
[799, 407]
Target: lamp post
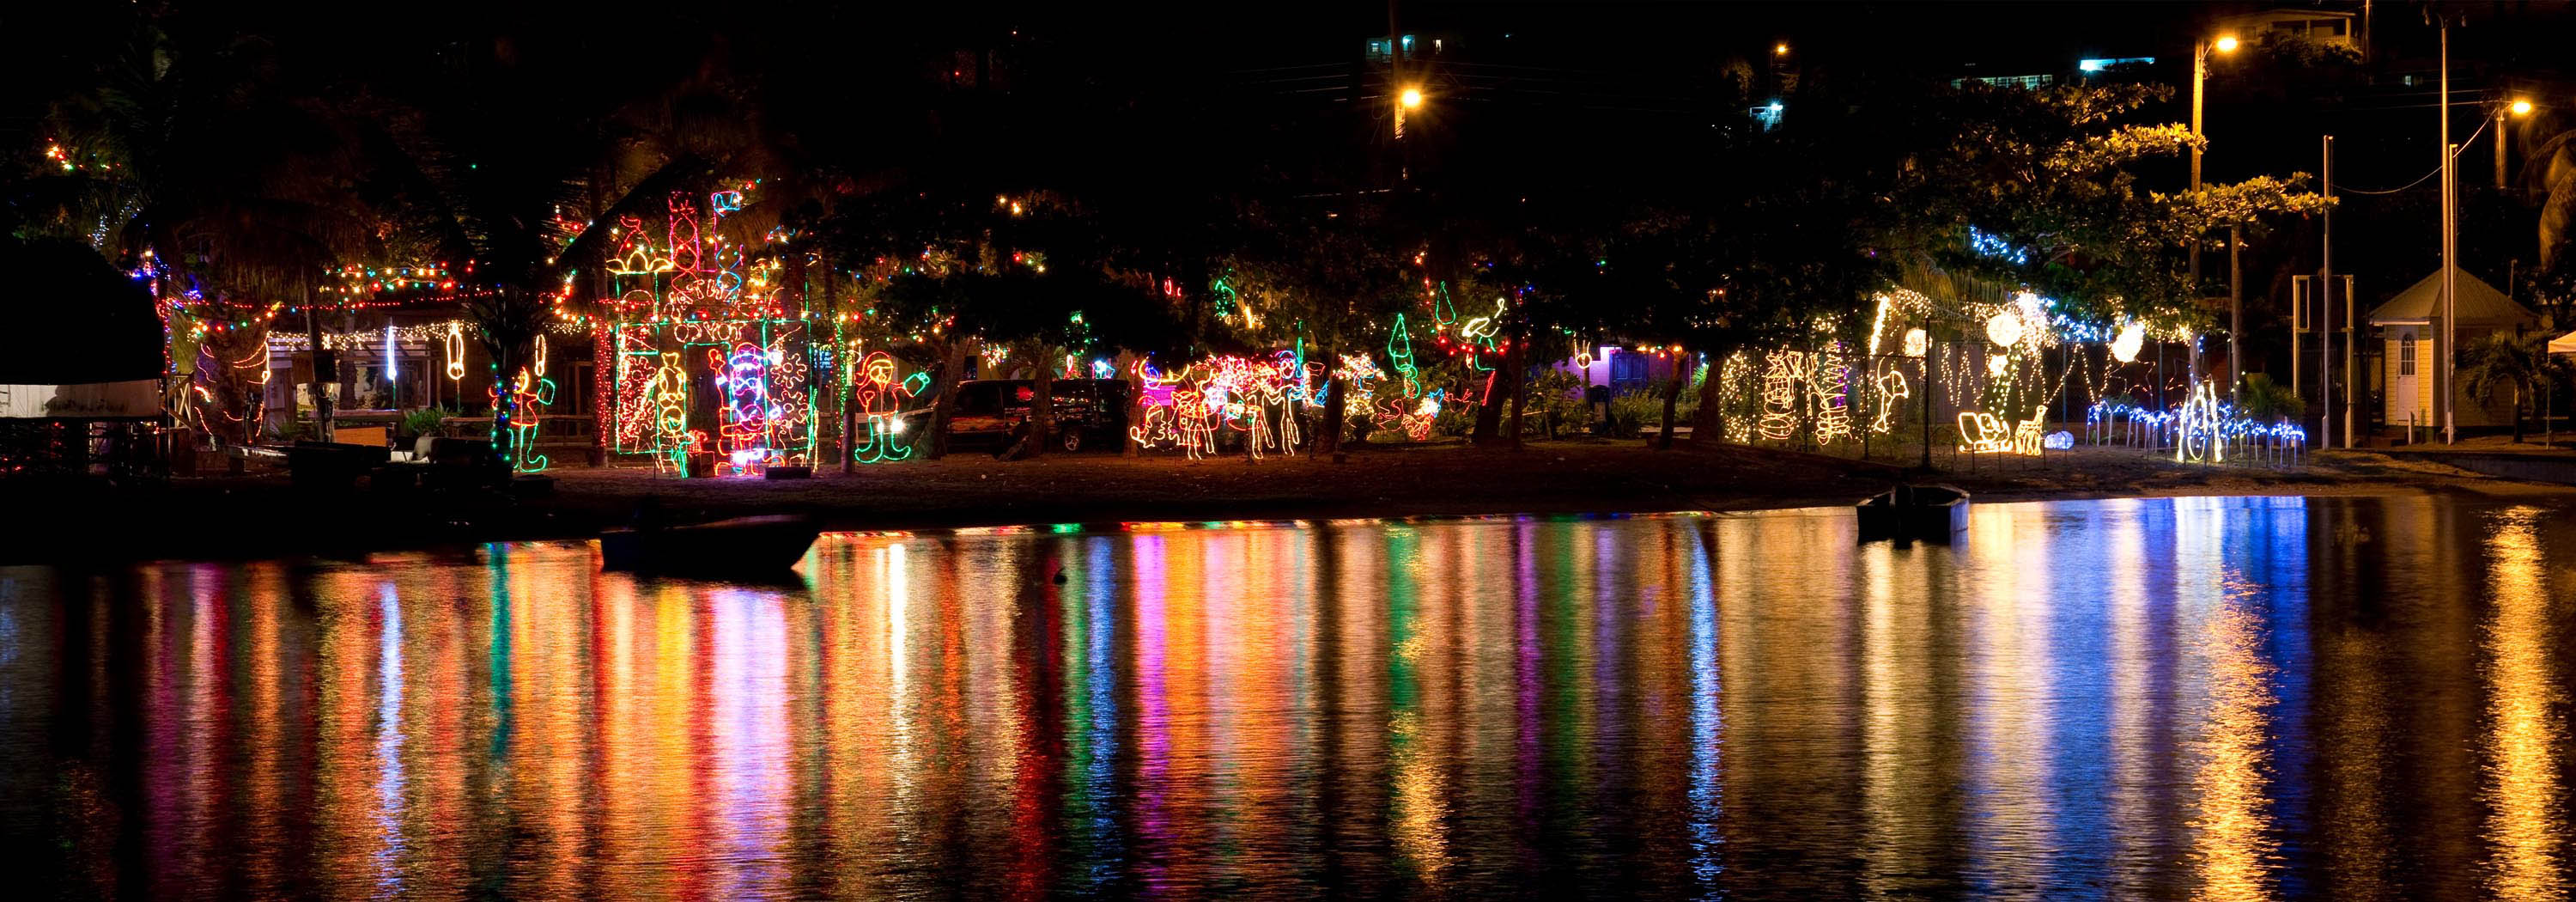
[2443, 377]
[2225, 43]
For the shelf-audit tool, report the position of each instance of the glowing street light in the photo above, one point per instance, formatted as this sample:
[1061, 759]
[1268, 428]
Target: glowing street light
[2504, 134]
[1411, 98]
[1780, 50]
[2226, 43]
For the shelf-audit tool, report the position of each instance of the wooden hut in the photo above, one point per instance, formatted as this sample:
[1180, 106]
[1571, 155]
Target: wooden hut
[2410, 328]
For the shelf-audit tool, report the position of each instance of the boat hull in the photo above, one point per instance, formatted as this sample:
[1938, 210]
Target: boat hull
[742, 547]
[1927, 513]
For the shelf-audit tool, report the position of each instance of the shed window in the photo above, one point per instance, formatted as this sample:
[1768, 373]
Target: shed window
[2406, 355]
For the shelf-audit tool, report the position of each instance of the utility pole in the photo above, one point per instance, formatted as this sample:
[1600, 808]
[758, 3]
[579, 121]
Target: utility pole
[2200, 50]
[2299, 319]
[2351, 365]
[1395, 67]
[2450, 203]
[2235, 310]
[2199, 76]
[2325, 313]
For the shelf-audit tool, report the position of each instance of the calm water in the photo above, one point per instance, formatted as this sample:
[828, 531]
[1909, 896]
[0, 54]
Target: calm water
[2196, 698]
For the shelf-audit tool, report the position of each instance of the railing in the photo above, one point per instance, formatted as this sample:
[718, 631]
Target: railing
[2201, 430]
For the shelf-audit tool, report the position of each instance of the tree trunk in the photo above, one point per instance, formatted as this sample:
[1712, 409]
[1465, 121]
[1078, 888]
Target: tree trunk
[1683, 365]
[1335, 404]
[509, 348]
[1041, 399]
[1489, 415]
[1127, 444]
[2517, 412]
[321, 397]
[1520, 396]
[344, 371]
[952, 370]
[1708, 424]
[847, 443]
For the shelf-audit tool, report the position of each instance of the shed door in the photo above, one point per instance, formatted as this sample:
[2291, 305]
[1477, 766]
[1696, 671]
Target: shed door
[2405, 399]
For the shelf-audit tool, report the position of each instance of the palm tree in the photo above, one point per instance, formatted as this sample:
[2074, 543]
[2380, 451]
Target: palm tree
[2500, 360]
[202, 155]
[2551, 167]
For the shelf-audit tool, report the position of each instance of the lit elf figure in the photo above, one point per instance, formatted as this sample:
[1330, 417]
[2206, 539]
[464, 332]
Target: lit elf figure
[531, 393]
[882, 396]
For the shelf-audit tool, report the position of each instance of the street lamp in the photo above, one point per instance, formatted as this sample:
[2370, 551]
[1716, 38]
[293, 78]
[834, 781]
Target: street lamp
[1406, 101]
[2225, 43]
[2519, 107]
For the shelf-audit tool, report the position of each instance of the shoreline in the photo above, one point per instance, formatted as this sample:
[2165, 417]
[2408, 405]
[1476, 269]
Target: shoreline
[261, 517]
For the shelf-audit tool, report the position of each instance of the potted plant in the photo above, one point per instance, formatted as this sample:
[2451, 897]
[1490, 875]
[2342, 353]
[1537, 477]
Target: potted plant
[419, 422]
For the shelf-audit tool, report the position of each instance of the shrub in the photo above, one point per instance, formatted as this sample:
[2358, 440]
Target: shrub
[2261, 398]
[425, 421]
[1633, 411]
[1453, 420]
[1555, 403]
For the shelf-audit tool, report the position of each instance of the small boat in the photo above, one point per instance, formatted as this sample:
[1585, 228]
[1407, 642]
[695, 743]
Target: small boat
[1908, 512]
[743, 547]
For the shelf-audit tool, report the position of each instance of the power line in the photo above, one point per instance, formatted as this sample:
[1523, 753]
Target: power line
[2437, 170]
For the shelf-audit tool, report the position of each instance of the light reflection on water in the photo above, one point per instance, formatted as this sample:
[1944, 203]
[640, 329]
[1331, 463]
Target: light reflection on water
[2185, 698]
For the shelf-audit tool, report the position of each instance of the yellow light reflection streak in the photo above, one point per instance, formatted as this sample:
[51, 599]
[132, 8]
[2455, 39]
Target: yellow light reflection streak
[2233, 849]
[2522, 792]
